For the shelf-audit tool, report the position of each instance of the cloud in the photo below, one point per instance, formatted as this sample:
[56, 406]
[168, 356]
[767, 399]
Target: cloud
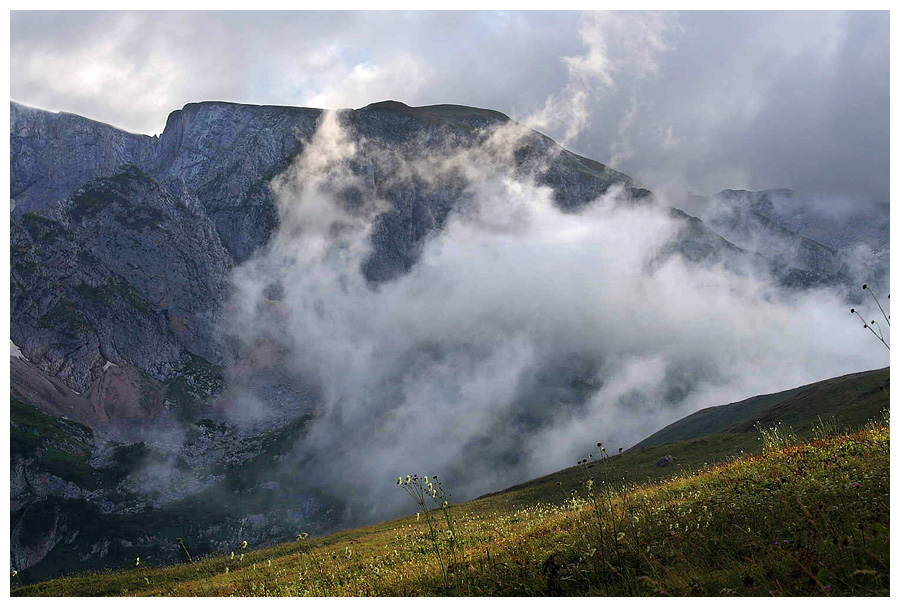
[521, 337]
[754, 100]
[621, 46]
[402, 77]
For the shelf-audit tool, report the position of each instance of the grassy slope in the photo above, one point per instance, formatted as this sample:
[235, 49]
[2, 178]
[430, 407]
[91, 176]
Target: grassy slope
[829, 500]
[851, 399]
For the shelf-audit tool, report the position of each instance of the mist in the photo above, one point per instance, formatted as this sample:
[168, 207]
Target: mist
[523, 335]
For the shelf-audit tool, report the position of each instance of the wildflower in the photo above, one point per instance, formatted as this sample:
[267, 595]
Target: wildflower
[244, 545]
[232, 555]
[399, 480]
[241, 558]
[226, 569]
[302, 536]
[15, 573]
[137, 562]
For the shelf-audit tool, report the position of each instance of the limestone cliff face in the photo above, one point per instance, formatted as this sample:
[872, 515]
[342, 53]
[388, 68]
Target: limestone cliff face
[51, 155]
[120, 272]
[121, 243]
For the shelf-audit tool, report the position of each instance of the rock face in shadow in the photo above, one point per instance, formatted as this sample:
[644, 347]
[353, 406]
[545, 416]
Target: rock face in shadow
[121, 272]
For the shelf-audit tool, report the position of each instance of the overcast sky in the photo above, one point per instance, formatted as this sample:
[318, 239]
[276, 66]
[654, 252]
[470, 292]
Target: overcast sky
[698, 101]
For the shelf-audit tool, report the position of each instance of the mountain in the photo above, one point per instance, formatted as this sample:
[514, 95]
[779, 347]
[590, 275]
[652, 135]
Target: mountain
[121, 243]
[848, 238]
[122, 249]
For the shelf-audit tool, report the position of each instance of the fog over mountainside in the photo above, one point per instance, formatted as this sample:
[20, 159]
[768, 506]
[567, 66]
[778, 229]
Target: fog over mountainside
[267, 314]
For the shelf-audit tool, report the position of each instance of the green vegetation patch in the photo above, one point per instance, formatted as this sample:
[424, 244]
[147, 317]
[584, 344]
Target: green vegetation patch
[192, 387]
[102, 192]
[57, 446]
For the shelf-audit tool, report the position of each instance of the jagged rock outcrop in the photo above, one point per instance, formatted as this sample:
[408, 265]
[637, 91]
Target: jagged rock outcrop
[121, 272]
[51, 155]
[843, 239]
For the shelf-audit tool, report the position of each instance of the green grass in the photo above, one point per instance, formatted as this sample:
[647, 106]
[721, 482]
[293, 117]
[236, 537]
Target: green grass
[33, 432]
[803, 519]
[850, 400]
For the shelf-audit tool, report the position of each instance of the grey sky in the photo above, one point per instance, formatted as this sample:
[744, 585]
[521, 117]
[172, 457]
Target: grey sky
[697, 100]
